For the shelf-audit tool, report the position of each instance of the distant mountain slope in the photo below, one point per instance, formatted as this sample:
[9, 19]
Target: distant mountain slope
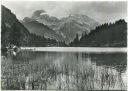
[66, 27]
[106, 35]
[75, 24]
[39, 24]
[42, 17]
[40, 29]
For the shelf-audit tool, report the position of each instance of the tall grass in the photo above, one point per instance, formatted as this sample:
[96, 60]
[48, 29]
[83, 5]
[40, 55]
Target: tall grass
[51, 76]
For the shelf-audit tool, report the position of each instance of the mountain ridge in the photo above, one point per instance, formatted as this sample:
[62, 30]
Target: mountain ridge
[40, 29]
[76, 21]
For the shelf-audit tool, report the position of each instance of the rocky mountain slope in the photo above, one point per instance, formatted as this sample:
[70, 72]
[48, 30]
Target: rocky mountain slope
[67, 27]
[75, 24]
[42, 17]
[40, 29]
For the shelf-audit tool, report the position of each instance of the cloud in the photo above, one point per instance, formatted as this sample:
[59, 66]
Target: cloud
[100, 11]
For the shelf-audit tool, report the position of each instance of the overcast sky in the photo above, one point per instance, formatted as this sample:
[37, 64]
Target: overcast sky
[100, 11]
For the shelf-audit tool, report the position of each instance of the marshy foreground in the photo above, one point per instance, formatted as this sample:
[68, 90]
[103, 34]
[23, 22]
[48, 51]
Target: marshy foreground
[34, 70]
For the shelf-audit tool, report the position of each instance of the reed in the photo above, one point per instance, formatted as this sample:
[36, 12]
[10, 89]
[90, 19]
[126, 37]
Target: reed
[43, 76]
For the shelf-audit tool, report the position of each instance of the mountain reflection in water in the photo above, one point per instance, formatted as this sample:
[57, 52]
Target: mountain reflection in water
[64, 70]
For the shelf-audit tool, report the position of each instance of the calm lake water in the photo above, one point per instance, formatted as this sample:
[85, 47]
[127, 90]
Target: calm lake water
[63, 70]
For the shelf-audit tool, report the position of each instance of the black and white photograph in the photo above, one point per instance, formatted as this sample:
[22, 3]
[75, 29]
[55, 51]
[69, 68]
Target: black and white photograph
[64, 45]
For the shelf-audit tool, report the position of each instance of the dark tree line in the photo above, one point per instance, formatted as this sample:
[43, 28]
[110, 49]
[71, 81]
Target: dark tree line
[14, 35]
[41, 41]
[106, 35]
